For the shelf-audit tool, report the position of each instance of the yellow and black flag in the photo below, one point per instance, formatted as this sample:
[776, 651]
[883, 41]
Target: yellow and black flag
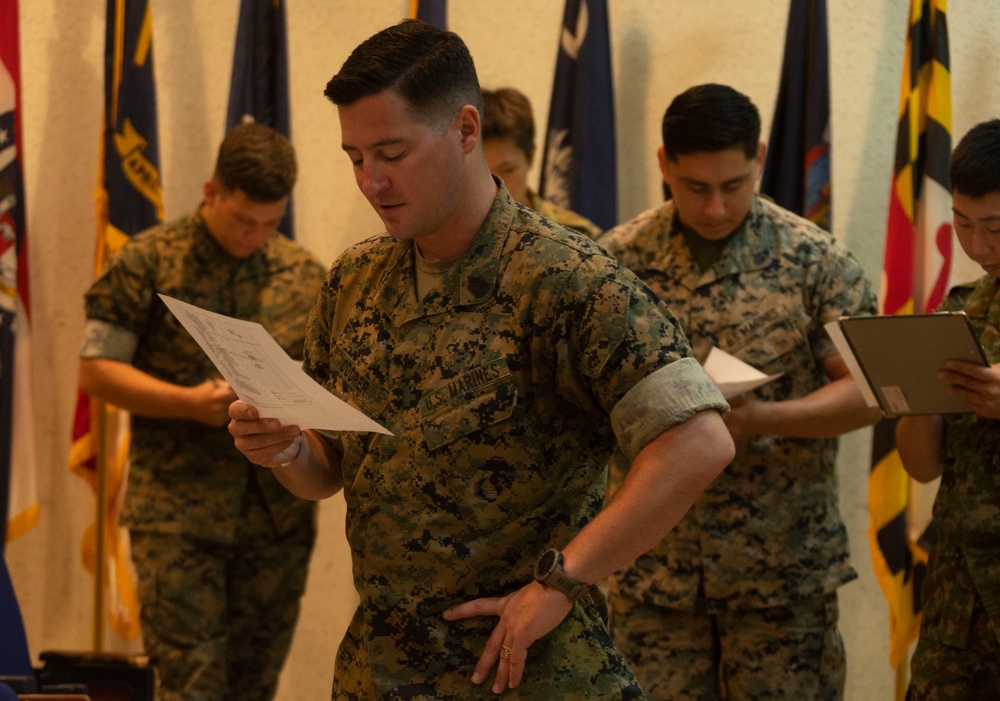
[129, 198]
[915, 278]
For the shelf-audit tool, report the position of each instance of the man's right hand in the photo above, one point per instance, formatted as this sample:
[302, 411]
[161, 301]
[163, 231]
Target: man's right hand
[265, 442]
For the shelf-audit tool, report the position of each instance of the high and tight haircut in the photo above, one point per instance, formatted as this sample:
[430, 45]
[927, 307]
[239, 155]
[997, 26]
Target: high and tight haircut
[710, 117]
[507, 115]
[431, 69]
[258, 160]
[975, 163]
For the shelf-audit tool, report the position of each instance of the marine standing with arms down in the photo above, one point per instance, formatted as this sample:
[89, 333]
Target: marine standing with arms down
[221, 548]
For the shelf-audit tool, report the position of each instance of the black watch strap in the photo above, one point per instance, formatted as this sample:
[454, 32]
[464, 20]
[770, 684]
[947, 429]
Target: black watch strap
[550, 573]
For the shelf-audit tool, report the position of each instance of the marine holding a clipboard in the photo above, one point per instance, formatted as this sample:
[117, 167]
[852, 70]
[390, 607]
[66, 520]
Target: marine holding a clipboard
[958, 655]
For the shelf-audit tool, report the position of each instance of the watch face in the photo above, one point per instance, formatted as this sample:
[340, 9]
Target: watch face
[546, 563]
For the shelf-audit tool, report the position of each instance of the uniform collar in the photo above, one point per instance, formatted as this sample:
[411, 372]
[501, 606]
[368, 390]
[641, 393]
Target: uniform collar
[472, 278]
[208, 252]
[750, 247]
[982, 297]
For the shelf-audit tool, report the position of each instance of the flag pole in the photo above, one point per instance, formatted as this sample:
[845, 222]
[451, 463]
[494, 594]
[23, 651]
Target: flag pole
[100, 552]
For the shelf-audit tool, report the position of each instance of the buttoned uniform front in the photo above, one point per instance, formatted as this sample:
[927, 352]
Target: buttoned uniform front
[961, 595]
[186, 478]
[497, 386]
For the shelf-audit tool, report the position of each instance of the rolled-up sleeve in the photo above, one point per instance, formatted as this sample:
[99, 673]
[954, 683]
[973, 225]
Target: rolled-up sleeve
[670, 395]
[104, 340]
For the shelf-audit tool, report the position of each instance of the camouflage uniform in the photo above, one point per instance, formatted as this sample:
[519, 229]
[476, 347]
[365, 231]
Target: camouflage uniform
[767, 533]
[958, 655]
[221, 547]
[561, 215]
[497, 385]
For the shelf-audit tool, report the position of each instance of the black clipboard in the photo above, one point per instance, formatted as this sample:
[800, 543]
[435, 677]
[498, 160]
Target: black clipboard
[900, 355]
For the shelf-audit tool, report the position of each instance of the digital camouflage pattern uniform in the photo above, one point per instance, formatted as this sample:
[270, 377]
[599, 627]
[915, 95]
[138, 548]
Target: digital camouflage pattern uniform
[561, 215]
[497, 386]
[958, 654]
[221, 547]
[765, 542]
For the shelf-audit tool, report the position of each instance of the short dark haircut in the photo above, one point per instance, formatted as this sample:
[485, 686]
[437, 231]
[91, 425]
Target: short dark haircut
[507, 115]
[975, 163]
[430, 68]
[710, 117]
[258, 160]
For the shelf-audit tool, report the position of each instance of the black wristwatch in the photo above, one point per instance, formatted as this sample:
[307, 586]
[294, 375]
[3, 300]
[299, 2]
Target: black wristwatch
[549, 572]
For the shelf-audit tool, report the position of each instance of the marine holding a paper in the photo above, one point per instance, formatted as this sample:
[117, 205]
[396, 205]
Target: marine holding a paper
[743, 593]
[221, 548]
[507, 355]
[958, 654]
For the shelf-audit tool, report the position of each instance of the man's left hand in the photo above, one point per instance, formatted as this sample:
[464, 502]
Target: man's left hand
[525, 616]
[979, 386]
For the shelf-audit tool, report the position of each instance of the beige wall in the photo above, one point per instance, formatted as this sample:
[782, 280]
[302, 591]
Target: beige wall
[660, 47]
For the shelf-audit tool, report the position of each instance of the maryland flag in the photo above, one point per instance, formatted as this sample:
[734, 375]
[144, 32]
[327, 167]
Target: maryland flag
[797, 169]
[258, 89]
[915, 278]
[430, 11]
[129, 199]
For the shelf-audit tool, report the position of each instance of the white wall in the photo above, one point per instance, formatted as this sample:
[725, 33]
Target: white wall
[660, 48]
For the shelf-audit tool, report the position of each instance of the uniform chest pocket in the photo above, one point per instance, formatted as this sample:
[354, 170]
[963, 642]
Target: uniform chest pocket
[470, 426]
[352, 384]
[765, 339]
[475, 400]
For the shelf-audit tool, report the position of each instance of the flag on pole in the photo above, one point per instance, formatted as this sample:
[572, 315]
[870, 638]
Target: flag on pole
[578, 162]
[915, 278]
[797, 169]
[129, 199]
[430, 11]
[18, 501]
[258, 89]
[19, 510]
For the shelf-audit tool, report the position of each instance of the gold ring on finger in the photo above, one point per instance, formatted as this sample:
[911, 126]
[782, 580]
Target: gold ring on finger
[505, 652]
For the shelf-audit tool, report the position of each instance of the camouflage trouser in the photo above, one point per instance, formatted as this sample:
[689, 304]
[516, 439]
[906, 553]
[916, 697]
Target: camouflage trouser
[792, 652]
[948, 673]
[218, 619]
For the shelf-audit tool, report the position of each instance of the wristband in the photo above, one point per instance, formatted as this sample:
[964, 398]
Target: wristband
[298, 452]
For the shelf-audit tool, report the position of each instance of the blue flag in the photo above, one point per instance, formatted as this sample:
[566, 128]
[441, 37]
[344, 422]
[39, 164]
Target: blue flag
[14, 658]
[258, 89]
[797, 169]
[131, 175]
[430, 11]
[129, 200]
[578, 164]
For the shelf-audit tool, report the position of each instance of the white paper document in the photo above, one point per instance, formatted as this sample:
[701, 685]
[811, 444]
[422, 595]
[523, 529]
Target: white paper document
[263, 375]
[731, 375]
